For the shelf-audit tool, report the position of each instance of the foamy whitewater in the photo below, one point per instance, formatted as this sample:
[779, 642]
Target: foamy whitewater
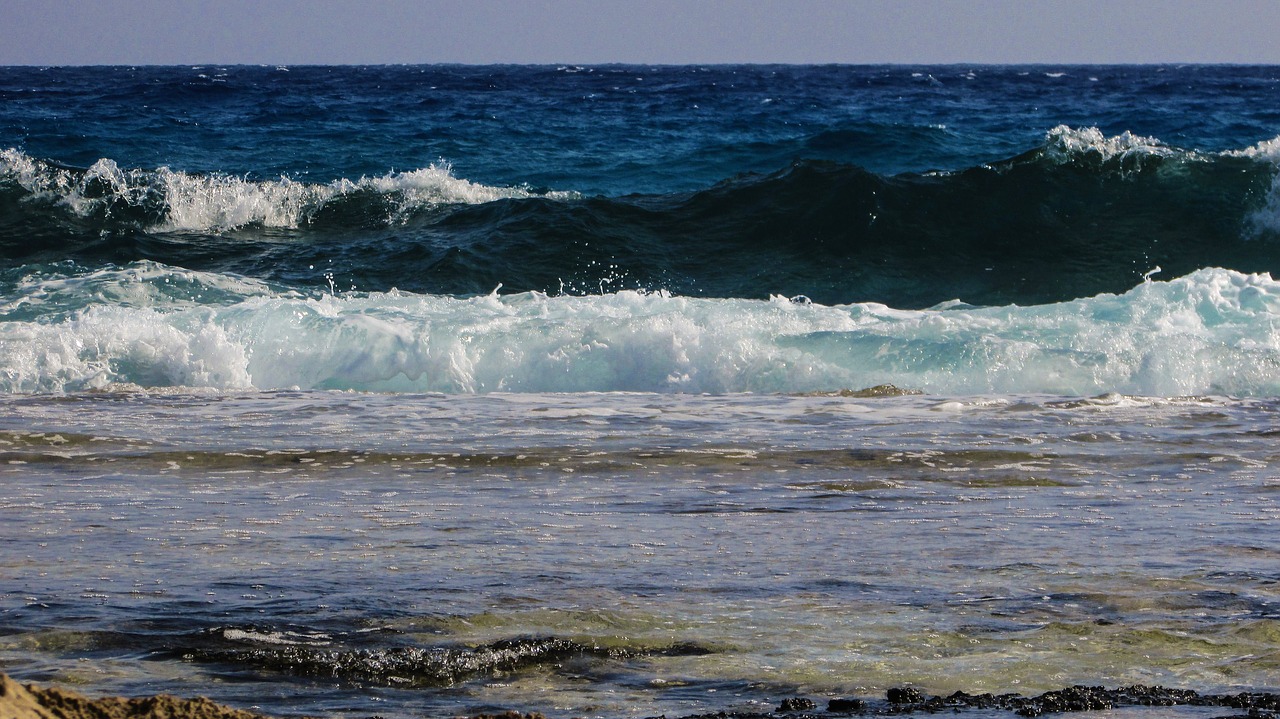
[626, 391]
[147, 325]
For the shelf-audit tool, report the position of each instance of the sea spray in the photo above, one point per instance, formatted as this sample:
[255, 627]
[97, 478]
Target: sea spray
[1211, 332]
[212, 203]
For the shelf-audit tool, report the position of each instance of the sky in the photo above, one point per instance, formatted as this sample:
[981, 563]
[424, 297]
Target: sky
[167, 32]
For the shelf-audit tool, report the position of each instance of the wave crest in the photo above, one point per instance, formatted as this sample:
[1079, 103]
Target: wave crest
[167, 200]
[1266, 219]
[1211, 332]
[1066, 143]
[1080, 214]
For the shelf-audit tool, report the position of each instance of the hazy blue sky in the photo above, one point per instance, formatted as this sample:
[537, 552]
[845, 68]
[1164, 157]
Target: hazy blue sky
[641, 31]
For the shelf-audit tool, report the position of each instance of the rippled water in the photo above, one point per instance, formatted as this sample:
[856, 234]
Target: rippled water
[311, 552]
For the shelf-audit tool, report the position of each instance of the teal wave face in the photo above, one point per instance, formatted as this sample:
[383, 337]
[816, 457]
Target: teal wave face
[1210, 332]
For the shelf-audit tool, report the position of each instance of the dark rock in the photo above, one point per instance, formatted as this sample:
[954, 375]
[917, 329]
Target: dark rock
[906, 700]
[797, 704]
[905, 695]
[1071, 699]
[846, 706]
[421, 666]
[880, 390]
[1139, 695]
[1248, 700]
[726, 715]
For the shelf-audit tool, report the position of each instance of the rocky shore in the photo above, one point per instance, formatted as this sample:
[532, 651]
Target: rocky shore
[27, 701]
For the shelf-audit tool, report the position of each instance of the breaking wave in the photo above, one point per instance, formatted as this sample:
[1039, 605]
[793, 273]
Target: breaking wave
[1079, 215]
[166, 200]
[148, 325]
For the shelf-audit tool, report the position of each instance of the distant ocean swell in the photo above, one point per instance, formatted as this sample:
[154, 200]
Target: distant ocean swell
[1079, 215]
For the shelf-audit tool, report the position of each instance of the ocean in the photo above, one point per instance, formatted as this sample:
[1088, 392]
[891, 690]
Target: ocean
[626, 391]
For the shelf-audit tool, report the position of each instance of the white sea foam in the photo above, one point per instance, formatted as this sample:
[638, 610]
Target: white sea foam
[1265, 150]
[218, 202]
[279, 638]
[436, 185]
[50, 296]
[1265, 219]
[1211, 332]
[1066, 143]
[36, 177]
[221, 202]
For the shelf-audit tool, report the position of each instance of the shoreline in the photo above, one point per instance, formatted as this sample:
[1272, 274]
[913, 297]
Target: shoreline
[30, 701]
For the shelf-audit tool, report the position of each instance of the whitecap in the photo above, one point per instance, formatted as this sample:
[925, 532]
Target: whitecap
[1213, 332]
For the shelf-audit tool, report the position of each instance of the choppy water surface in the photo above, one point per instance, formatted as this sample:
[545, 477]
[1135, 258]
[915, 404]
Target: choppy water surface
[634, 554]
[428, 391]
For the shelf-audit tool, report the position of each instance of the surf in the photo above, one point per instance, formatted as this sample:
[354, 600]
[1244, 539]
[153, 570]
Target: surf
[1078, 215]
[148, 325]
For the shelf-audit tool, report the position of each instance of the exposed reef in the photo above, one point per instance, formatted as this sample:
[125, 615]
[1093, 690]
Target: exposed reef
[27, 701]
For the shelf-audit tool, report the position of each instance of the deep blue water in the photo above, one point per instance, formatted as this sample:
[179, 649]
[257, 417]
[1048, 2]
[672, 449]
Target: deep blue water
[611, 130]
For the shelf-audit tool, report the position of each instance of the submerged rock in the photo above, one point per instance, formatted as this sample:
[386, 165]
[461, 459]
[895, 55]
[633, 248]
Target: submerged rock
[846, 706]
[413, 666]
[880, 390]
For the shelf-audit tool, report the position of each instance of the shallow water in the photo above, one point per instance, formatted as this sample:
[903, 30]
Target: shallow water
[303, 551]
